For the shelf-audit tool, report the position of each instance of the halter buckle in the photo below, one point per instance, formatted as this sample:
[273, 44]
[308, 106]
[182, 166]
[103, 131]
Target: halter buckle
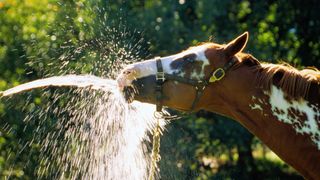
[201, 85]
[160, 76]
[217, 75]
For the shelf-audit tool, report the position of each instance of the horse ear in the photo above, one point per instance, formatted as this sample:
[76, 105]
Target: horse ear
[237, 45]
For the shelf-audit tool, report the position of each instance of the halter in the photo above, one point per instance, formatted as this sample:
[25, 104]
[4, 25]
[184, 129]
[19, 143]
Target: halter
[199, 85]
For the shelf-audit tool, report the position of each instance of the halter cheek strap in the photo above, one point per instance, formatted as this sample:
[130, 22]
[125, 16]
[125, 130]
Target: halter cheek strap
[199, 86]
[160, 78]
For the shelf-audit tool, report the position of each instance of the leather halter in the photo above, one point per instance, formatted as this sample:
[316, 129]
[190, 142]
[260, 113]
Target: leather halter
[199, 85]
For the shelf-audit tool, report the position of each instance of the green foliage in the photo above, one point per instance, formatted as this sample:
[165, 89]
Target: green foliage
[54, 37]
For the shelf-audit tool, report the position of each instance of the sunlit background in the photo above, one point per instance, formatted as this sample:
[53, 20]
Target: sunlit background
[41, 38]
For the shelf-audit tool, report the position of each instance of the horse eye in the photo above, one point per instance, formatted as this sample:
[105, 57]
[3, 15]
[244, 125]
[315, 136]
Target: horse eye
[190, 58]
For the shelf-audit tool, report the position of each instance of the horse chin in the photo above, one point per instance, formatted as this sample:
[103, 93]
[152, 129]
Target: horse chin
[133, 94]
[142, 89]
[129, 94]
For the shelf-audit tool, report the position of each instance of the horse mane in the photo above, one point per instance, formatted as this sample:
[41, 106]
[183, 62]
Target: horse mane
[295, 83]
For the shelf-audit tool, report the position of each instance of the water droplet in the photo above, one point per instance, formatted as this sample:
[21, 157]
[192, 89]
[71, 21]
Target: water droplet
[53, 38]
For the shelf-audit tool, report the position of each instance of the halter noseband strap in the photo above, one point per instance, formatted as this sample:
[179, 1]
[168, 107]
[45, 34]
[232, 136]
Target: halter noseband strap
[200, 86]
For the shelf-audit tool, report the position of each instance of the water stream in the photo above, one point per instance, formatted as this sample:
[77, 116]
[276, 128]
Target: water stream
[97, 135]
[78, 81]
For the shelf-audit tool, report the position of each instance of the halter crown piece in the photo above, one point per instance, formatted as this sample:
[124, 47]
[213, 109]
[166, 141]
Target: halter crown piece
[199, 86]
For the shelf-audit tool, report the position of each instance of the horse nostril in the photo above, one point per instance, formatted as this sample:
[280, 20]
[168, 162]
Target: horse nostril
[126, 77]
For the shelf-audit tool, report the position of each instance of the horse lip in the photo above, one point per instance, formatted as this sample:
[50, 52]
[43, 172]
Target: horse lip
[128, 93]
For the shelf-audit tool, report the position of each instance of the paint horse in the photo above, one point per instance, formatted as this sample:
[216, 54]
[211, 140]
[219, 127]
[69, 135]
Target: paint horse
[277, 103]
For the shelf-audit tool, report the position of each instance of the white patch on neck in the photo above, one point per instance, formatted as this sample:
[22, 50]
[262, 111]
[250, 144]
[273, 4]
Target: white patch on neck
[256, 106]
[281, 109]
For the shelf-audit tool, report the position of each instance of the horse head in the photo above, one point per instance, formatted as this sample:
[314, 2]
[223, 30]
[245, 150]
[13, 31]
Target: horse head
[191, 77]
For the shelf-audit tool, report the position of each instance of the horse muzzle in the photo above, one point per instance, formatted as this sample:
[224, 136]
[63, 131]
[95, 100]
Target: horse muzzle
[135, 87]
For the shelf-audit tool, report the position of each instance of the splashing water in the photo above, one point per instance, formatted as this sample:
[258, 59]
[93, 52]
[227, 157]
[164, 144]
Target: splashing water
[88, 131]
[103, 136]
[79, 81]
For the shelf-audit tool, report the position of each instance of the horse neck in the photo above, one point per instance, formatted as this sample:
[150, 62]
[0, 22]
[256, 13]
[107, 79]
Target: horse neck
[290, 128]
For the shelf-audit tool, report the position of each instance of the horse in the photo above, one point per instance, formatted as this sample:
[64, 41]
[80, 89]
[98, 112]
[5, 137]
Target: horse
[276, 102]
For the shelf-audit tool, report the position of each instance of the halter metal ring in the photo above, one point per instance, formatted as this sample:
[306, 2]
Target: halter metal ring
[217, 75]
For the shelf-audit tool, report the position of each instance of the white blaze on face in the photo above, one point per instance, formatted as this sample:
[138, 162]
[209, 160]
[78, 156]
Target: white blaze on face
[149, 67]
[201, 56]
[284, 110]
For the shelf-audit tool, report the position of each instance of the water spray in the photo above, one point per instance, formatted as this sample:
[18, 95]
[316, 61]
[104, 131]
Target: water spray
[127, 160]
